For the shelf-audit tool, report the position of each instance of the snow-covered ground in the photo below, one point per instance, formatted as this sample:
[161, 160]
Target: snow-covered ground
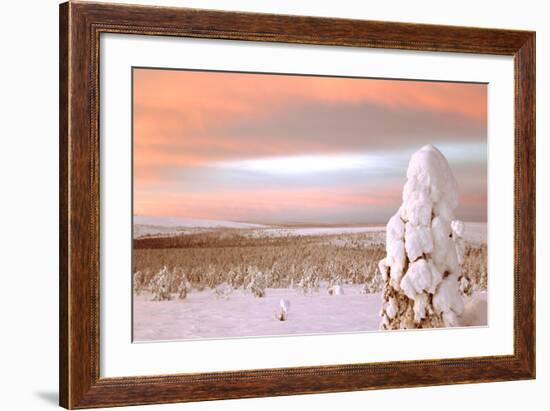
[146, 225]
[475, 232]
[475, 310]
[142, 230]
[191, 222]
[205, 315]
[315, 231]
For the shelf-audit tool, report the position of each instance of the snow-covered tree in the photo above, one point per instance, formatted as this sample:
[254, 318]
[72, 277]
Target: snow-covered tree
[235, 277]
[258, 283]
[374, 282]
[424, 249]
[160, 285]
[335, 285]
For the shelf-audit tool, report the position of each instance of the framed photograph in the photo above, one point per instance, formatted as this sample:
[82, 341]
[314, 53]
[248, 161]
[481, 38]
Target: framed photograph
[259, 205]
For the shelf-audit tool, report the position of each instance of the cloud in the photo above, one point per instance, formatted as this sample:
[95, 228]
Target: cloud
[245, 93]
[215, 114]
[242, 146]
[344, 204]
[363, 126]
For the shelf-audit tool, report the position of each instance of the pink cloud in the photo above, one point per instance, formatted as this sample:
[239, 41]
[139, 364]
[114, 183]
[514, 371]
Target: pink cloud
[177, 108]
[214, 205]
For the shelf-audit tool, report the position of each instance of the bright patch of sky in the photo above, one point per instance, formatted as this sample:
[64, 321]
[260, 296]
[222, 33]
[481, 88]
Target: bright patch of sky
[376, 162]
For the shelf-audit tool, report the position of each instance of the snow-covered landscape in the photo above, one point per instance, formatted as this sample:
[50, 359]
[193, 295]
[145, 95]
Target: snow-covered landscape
[222, 279]
[225, 311]
[221, 303]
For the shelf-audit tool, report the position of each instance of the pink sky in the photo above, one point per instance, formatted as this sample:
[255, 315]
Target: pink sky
[281, 148]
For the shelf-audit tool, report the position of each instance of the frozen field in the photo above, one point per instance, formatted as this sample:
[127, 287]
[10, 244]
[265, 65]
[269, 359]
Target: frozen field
[314, 231]
[205, 315]
[475, 232]
[147, 226]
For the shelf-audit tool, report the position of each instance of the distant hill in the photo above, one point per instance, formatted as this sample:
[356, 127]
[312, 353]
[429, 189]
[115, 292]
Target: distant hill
[146, 225]
[191, 222]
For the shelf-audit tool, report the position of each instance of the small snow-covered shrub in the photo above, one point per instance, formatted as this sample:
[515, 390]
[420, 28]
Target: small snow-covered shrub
[182, 291]
[335, 286]
[310, 281]
[336, 290]
[211, 276]
[235, 277]
[160, 285]
[282, 315]
[374, 285]
[223, 291]
[183, 288]
[373, 282]
[257, 283]
[178, 282]
[424, 249]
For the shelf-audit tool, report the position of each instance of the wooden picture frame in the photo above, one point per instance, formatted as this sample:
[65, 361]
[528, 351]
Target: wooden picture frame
[80, 27]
